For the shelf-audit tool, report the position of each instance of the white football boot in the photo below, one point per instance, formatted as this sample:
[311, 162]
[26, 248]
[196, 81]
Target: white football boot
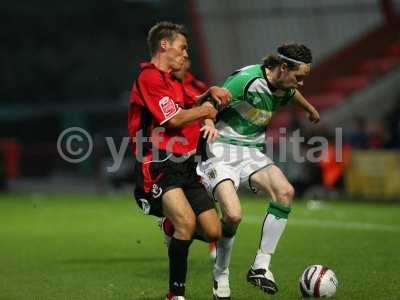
[221, 289]
[264, 279]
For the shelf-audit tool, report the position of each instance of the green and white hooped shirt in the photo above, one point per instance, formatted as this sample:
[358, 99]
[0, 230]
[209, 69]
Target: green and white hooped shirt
[244, 121]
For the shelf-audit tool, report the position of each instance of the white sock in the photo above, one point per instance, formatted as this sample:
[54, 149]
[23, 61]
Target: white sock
[261, 261]
[224, 251]
[271, 233]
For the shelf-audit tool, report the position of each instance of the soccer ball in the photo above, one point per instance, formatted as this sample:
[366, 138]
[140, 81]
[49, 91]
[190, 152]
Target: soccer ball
[318, 281]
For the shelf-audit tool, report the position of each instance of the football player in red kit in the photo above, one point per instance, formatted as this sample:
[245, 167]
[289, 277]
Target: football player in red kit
[163, 124]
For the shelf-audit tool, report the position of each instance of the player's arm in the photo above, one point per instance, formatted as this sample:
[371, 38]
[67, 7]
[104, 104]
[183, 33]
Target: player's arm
[300, 101]
[158, 99]
[209, 131]
[208, 128]
[219, 97]
[216, 97]
[185, 116]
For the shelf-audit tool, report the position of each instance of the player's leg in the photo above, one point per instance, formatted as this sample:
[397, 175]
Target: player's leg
[221, 178]
[272, 181]
[184, 174]
[178, 210]
[210, 226]
[208, 223]
[225, 194]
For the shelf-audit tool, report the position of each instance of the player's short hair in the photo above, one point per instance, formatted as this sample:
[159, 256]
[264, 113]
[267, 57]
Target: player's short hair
[163, 30]
[291, 54]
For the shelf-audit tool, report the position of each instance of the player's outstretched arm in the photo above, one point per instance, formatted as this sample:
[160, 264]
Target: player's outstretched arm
[218, 96]
[185, 116]
[300, 101]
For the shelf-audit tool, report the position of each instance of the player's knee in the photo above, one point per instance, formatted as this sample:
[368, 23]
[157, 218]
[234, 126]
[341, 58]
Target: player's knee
[233, 218]
[185, 226]
[286, 194]
[213, 234]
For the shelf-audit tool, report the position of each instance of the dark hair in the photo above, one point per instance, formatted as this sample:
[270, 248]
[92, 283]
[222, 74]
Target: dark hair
[163, 30]
[295, 51]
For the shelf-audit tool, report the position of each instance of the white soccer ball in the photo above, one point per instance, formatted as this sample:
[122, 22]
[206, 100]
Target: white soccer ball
[318, 281]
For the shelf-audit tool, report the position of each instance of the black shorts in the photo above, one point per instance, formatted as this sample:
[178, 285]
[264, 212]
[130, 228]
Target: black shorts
[156, 178]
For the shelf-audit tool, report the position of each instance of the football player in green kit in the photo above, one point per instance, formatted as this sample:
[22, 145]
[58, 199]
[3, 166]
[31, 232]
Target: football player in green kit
[236, 158]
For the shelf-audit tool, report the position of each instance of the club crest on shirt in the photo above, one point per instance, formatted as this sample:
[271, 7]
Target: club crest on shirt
[167, 106]
[156, 191]
[212, 174]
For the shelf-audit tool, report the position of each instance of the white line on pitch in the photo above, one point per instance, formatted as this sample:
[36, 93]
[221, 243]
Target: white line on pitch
[327, 224]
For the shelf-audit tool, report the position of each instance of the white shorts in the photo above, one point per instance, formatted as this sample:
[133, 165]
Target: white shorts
[231, 162]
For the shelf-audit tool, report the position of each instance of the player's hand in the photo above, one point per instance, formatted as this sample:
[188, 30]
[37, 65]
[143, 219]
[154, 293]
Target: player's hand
[221, 95]
[313, 116]
[211, 112]
[209, 132]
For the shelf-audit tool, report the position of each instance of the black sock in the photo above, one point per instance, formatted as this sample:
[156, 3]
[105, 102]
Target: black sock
[228, 231]
[178, 253]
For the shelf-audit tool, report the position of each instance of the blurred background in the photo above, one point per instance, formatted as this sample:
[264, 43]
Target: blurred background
[72, 63]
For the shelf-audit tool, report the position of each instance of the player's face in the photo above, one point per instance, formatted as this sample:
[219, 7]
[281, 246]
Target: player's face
[181, 74]
[177, 52]
[293, 79]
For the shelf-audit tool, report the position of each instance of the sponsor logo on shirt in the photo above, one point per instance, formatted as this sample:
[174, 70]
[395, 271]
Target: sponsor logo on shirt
[258, 116]
[167, 106]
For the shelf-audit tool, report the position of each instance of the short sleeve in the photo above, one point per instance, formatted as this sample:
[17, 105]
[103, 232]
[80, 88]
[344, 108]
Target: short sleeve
[236, 84]
[157, 96]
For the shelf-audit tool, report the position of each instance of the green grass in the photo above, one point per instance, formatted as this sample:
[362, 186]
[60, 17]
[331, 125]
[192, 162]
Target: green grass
[92, 247]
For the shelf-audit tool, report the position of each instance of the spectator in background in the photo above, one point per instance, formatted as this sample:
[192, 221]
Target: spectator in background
[358, 137]
[332, 168]
[379, 137]
[3, 185]
[393, 125]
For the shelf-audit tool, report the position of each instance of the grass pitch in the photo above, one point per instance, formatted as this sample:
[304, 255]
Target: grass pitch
[102, 247]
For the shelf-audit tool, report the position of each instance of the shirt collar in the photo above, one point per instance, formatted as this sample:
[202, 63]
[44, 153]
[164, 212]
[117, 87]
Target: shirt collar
[270, 86]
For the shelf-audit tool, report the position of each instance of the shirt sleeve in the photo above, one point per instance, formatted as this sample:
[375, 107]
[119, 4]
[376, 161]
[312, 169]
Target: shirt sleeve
[236, 85]
[157, 96]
